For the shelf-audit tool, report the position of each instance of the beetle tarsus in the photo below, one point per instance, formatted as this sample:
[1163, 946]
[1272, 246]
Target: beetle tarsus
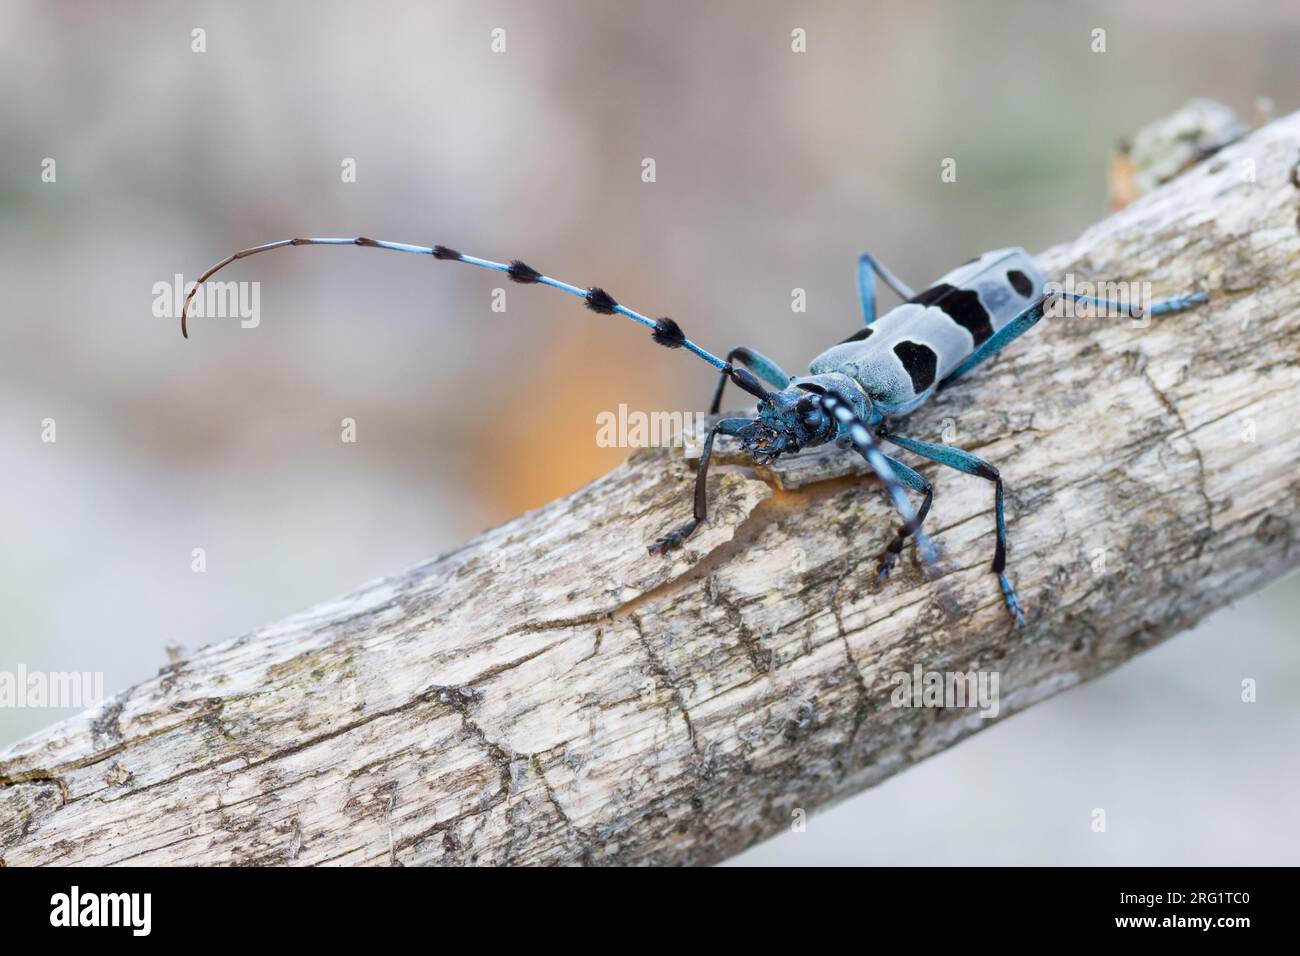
[674, 539]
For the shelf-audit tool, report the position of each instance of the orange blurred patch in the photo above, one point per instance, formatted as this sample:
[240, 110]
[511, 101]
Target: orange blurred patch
[548, 447]
[1123, 179]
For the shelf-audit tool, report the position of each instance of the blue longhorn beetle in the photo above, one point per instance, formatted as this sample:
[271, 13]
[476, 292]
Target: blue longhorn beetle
[887, 369]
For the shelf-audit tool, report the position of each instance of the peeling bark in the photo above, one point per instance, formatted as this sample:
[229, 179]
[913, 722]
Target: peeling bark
[549, 693]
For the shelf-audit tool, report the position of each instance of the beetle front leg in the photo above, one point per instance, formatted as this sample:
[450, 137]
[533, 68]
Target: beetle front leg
[677, 537]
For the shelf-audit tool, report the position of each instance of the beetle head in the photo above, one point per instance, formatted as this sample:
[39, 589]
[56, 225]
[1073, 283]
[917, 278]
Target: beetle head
[787, 421]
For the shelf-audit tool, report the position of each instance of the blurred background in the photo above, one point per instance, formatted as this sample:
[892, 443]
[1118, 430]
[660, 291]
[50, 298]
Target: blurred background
[773, 170]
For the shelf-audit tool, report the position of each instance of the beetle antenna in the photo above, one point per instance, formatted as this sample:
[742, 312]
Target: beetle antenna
[664, 330]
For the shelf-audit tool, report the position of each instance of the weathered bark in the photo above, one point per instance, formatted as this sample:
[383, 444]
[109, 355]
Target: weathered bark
[550, 693]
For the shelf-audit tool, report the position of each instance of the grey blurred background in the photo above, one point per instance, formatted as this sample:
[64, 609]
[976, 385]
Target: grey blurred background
[774, 169]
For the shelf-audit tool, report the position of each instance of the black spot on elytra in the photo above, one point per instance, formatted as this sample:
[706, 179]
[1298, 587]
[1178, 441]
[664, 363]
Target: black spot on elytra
[920, 362]
[963, 306]
[859, 335]
[1020, 282]
[522, 272]
[668, 333]
[598, 300]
